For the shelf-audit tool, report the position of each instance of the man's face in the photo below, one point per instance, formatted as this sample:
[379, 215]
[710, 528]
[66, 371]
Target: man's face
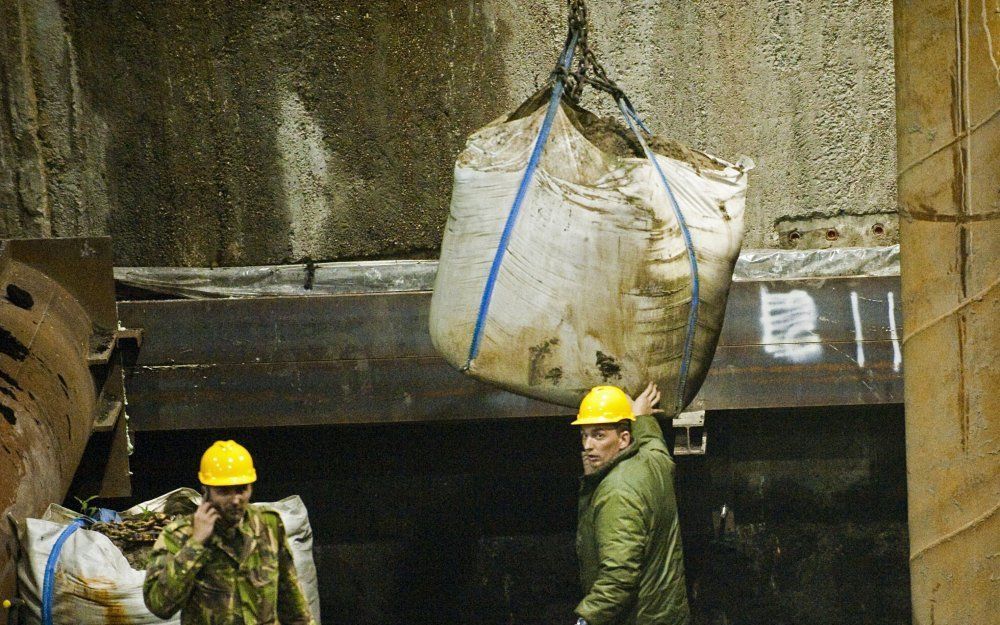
[230, 501]
[600, 444]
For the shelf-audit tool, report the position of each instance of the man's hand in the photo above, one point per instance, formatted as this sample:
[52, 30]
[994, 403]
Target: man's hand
[646, 400]
[204, 521]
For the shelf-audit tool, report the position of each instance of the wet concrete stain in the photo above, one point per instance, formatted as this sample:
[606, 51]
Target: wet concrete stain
[282, 156]
[10, 345]
[609, 368]
[171, 136]
[19, 297]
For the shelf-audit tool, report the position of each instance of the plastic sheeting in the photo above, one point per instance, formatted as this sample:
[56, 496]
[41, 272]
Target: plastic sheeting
[828, 263]
[96, 585]
[380, 276]
[377, 276]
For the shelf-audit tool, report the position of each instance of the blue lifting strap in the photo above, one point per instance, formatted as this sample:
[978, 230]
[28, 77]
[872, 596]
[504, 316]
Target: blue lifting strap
[632, 118]
[49, 580]
[565, 59]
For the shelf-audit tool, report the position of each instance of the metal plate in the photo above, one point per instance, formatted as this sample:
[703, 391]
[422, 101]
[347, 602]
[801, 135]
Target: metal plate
[368, 358]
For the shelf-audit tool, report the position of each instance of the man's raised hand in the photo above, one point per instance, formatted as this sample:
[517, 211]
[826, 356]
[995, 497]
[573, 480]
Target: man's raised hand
[204, 521]
[646, 400]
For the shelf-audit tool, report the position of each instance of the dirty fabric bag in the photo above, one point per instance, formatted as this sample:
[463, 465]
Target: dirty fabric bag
[94, 583]
[594, 285]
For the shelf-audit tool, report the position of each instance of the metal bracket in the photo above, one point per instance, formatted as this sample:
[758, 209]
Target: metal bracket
[108, 415]
[687, 443]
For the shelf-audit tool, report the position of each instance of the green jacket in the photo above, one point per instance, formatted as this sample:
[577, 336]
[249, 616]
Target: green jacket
[628, 538]
[246, 579]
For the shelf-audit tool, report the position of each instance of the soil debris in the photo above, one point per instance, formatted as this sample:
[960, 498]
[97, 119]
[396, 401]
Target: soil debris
[608, 367]
[536, 363]
[135, 534]
[613, 137]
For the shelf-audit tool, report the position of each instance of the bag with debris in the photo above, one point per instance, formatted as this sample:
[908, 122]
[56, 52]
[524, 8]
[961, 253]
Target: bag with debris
[97, 573]
[579, 251]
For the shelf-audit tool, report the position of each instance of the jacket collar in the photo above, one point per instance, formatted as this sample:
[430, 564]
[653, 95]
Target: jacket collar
[245, 529]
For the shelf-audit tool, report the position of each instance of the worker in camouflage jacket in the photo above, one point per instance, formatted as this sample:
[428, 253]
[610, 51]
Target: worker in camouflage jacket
[226, 564]
[628, 538]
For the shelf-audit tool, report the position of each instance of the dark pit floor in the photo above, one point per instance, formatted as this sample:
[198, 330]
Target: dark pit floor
[474, 522]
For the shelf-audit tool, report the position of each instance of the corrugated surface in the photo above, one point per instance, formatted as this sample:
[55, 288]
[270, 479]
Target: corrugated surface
[948, 122]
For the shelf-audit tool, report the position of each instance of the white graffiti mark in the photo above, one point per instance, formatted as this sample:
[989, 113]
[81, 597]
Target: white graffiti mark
[858, 336]
[788, 325]
[897, 354]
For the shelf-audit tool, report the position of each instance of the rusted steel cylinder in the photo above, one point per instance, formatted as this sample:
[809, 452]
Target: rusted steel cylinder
[47, 398]
[948, 127]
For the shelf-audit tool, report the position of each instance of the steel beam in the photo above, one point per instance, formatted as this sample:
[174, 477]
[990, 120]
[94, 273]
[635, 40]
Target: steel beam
[339, 359]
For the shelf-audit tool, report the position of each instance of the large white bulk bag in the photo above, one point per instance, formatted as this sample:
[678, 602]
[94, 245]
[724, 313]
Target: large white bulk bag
[595, 285]
[94, 583]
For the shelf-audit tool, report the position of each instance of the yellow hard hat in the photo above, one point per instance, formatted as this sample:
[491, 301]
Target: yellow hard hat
[604, 404]
[226, 463]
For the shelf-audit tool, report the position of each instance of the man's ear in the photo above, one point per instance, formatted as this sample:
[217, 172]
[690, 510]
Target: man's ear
[625, 440]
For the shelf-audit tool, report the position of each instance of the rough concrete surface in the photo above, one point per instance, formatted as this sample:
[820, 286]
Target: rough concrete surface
[53, 150]
[271, 131]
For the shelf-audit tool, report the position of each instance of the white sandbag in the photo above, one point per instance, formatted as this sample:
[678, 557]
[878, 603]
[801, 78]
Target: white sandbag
[595, 285]
[94, 583]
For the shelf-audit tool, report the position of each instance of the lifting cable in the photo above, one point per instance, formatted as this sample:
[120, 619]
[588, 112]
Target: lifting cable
[589, 71]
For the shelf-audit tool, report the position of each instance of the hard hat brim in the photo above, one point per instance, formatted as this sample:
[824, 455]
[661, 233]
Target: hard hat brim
[233, 480]
[601, 420]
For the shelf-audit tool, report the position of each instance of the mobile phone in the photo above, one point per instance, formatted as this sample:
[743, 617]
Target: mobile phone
[204, 497]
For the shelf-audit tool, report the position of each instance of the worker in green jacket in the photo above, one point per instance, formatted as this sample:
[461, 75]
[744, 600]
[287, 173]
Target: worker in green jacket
[227, 564]
[628, 538]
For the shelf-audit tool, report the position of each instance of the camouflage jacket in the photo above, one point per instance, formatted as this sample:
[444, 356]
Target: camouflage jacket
[249, 579]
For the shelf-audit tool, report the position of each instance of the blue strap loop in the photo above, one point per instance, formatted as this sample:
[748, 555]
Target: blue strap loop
[632, 118]
[49, 580]
[565, 59]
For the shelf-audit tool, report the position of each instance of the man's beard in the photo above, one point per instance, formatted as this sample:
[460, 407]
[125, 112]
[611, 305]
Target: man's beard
[229, 518]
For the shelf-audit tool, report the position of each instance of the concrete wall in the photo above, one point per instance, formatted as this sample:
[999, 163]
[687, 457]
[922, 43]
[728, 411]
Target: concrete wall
[201, 133]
